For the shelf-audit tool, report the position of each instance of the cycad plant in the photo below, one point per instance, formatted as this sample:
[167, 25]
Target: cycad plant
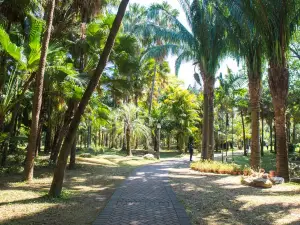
[202, 42]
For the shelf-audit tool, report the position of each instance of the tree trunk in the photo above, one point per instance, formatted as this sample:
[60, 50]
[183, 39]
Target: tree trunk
[37, 101]
[278, 82]
[211, 139]
[62, 130]
[204, 153]
[152, 89]
[271, 136]
[254, 92]
[38, 141]
[262, 132]
[73, 155]
[129, 153]
[59, 171]
[244, 133]
[294, 132]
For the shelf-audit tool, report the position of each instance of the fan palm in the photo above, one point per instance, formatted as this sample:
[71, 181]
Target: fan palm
[204, 43]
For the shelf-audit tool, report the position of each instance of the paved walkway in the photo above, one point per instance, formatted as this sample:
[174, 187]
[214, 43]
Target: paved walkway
[145, 198]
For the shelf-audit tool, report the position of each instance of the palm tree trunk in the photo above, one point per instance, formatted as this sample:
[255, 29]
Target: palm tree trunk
[128, 137]
[254, 92]
[244, 133]
[37, 101]
[211, 139]
[152, 89]
[204, 153]
[278, 82]
[59, 171]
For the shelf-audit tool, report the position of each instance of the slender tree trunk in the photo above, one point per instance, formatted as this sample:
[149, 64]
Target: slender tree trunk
[62, 130]
[48, 136]
[211, 132]
[73, 155]
[254, 92]
[262, 132]
[38, 141]
[37, 101]
[129, 153]
[205, 131]
[288, 128]
[275, 142]
[152, 89]
[226, 134]
[294, 132]
[271, 136]
[59, 171]
[244, 133]
[278, 82]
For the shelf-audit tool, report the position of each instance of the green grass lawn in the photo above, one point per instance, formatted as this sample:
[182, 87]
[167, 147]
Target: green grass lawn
[268, 161]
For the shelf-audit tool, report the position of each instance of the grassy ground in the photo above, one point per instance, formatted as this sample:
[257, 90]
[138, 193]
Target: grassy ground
[86, 191]
[268, 161]
[221, 200]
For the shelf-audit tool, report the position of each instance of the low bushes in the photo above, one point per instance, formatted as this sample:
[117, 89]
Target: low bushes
[220, 168]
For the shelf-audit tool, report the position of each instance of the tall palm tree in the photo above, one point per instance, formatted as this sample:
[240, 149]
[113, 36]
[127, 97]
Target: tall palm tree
[59, 171]
[247, 43]
[37, 100]
[275, 20]
[202, 42]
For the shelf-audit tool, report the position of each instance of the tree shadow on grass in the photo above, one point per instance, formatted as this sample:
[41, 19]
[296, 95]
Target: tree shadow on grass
[86, 191]
[221, 199]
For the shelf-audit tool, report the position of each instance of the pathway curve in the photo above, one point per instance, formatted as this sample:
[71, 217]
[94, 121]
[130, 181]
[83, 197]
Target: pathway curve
[145, 198]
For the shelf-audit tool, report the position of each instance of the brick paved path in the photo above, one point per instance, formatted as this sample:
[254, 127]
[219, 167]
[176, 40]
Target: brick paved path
[145, 198]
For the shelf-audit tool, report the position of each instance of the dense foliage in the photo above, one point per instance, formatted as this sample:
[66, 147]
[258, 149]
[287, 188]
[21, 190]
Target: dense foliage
[88, 104]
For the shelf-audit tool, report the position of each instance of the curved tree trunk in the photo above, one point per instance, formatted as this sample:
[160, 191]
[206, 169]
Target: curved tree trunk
[37, 101]
[278, 82]
[59, 171]
[254, 92]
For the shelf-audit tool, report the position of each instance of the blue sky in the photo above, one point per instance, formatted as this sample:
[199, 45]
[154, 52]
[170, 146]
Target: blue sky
[186, 72]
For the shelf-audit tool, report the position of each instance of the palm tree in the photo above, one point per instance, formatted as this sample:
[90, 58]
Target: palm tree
[37, 100]
[204, 43]
[133, 124]
[59, 172]
[247, 42]
[275, 20]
